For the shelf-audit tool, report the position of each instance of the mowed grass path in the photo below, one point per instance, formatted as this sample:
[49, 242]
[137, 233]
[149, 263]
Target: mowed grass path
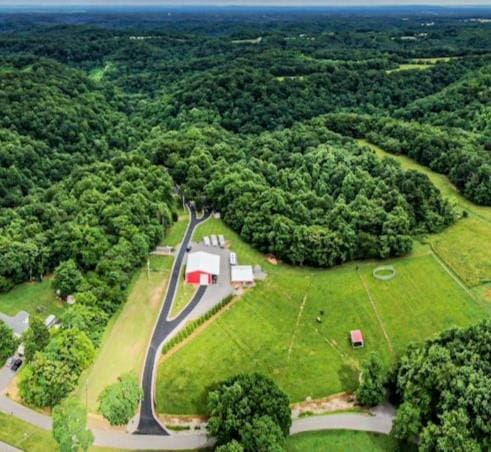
[464, 246]
[341, 441]
[28, 296]
[126, 338]
[273, 328]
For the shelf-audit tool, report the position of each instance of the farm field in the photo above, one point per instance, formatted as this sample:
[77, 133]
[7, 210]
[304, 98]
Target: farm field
[461, 245]
[28, 296]
[273, 329]
[340, 441]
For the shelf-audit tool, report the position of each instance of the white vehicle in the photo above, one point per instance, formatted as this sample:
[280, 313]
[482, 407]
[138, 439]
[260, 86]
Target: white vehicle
[214, 240]
[206, 240]
[233, 259]
[50, 321]
[221, 241]
[21, 350]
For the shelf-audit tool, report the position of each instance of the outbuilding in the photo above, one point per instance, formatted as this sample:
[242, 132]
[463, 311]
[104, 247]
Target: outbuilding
[241, 275]
[202, 268]
[357, 339]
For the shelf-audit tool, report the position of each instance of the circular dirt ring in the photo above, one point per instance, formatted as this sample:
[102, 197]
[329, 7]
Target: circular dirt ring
[384, 273]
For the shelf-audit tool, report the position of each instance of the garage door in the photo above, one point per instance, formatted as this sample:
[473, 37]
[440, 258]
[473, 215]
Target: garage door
[204, 280]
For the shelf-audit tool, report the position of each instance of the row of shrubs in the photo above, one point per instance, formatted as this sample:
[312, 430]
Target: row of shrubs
[191, 327]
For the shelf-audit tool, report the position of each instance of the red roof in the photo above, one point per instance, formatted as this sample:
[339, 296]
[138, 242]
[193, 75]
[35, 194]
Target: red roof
[356, 336]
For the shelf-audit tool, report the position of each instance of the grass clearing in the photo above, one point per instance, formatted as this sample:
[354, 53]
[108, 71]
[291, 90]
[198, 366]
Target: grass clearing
[264, 331]
[463, 245]
[28, 296]
[126, 338]
[98, 74]
[175, 233]
[410, 67]
[341, 441]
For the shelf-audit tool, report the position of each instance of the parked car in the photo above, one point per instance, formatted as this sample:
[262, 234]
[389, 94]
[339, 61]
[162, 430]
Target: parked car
[16, 363]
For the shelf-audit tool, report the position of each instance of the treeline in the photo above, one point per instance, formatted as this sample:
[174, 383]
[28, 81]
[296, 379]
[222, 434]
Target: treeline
[93, 229]
[105, 217]
[305, 194]
[454, 153]
[444, 390]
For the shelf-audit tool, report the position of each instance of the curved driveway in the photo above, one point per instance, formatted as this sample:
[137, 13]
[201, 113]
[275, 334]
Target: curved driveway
[148, 423]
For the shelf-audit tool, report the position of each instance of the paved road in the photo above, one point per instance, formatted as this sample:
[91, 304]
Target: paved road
[379, 421]
[148, 423]
[6, 448]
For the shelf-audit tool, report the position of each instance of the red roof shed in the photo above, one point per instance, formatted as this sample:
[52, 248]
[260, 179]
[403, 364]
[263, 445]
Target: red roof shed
[357, 338]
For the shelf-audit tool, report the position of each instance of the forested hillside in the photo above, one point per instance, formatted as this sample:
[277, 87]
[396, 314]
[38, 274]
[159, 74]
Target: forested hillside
[272, 119]
[232, 122]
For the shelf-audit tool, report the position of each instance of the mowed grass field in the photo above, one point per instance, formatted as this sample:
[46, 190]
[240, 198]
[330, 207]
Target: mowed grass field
[28, 296]
[341, 441]
[126, 338]
[273, 328]
[464, 246]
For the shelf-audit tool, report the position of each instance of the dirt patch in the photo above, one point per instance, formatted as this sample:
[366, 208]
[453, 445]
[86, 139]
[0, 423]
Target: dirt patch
[178, 422]
[336, 402]
[98, 422]
[487, 294]
[271, 259]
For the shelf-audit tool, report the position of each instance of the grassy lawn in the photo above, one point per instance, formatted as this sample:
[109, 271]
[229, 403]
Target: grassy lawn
[341, 441]
[126, 338]
[183, 296]
[273, 329]
[175, 233]
[25, 436]
[465, 249]
[463, 245]
[28, 296]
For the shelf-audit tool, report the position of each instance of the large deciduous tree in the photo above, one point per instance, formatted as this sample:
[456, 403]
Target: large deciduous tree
[70, 426]
[8, 342]
[36, 338]
[250, 409]
[119, 401]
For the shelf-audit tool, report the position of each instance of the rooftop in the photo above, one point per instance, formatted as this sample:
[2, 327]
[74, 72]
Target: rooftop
[242, 273]
[205, 262]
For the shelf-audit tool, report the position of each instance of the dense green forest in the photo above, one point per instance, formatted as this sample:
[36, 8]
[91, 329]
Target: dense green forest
[254, 121]
[256, 117]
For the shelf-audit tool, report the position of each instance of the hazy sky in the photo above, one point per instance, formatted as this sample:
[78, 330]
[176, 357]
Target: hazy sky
[246, 2]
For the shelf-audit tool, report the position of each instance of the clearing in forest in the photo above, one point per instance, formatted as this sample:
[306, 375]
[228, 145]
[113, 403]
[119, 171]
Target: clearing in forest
[256, 333]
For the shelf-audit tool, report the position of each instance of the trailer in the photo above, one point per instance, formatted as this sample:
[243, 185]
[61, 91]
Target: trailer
[221, 241]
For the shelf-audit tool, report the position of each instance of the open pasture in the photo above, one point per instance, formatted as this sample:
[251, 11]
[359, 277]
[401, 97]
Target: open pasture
[274, 330]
